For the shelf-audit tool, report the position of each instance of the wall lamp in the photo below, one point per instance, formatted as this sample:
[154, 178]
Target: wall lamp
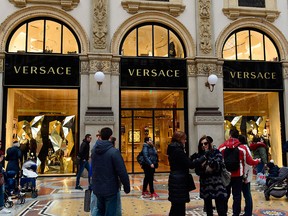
[212, 80]
[99, 76]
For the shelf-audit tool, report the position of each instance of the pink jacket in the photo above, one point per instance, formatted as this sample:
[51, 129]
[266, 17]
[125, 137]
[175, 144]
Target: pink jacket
[243, 155]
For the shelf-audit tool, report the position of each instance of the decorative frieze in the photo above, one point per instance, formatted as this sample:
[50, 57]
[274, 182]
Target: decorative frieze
[100, 19]
[99, 116]
[208, 116]
[65, 4]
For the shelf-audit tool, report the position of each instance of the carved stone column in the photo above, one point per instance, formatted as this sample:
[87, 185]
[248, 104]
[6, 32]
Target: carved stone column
[99, 28]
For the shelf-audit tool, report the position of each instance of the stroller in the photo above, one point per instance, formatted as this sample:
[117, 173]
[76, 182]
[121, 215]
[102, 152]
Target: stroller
[11, 190]
[277, 186]
[28, 178]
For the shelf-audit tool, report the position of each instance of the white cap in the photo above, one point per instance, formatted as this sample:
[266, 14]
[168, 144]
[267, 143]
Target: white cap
[271, 161]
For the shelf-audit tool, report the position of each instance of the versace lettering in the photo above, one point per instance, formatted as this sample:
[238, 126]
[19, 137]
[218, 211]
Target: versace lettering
[153, 73]
[253, 75]
[42, 70]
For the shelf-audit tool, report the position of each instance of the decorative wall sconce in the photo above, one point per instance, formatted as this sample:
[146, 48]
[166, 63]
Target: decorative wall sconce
[212, 80]
[99, 76]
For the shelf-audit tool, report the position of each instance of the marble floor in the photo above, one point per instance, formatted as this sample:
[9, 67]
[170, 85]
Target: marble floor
[57, 197]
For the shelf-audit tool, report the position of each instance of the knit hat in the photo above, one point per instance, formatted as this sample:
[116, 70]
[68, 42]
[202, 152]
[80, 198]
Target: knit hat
[270, 165]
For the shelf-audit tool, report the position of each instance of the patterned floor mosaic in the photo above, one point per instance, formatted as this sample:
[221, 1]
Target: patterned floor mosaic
[57, 197]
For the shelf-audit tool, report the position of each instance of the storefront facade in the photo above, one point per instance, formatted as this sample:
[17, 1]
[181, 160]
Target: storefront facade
[156, 63]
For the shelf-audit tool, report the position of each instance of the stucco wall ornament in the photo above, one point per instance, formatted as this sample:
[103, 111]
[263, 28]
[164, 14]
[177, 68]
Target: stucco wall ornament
[205, 69]
[205, 27]
[65, 4]
[100, 24]
[1, 65]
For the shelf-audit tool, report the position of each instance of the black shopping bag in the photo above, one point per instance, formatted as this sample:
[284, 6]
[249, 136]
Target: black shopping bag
[87, 199]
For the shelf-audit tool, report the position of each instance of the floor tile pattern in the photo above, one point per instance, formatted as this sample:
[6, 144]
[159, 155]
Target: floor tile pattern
[57, 197]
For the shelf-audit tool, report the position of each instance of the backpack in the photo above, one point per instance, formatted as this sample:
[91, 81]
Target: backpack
[140, 158]
[231, 158]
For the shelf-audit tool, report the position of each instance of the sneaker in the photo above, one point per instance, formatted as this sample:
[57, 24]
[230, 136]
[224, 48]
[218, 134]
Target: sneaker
[78, 187]
[4, 211]
[145, 194]
[153, 196]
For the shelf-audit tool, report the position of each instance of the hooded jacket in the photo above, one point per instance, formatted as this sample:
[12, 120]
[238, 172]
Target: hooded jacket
[107, 168]
[243, 155]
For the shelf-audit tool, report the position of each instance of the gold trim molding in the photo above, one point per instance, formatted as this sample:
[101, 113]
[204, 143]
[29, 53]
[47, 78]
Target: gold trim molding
[173, 7]
[233, 11]
[65, 4]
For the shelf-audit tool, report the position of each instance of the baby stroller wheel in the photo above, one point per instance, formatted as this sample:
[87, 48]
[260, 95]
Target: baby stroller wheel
[8, 204]
[34, 194]
[267, 197]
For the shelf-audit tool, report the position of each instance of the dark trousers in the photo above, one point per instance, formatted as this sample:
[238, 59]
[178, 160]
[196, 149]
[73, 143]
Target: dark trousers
[246, 190]
[220, 206]
[148, 178]
[83, 165]
[236, 187]
[177, 209]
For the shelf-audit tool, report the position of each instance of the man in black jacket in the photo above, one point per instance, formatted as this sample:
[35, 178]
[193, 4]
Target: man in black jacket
[107, 168]
[83, 157]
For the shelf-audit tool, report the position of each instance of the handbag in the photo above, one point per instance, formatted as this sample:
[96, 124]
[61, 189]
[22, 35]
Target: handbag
[1, 179]
[191, 184]
[87, 200]
[226, 177]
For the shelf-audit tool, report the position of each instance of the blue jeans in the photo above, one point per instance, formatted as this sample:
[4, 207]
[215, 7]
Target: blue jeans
[236, 186]
[83, 165]
[93, 205]
[248, 198]
[260, 168]
[109, 205]
[1, 196]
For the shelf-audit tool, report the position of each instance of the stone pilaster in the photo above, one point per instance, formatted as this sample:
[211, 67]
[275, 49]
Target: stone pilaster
[99, 28]
[205, 28]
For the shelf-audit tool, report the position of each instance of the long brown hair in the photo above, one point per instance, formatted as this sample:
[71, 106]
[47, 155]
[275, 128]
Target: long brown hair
[178, 136]
[200, 143]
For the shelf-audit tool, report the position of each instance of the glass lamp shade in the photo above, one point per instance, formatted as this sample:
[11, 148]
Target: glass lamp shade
[99, 76]
[212, 79]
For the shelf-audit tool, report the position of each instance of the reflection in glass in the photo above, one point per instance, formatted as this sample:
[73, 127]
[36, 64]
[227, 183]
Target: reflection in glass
[145, 41]
[43, 36]
[152, 40]
[35, 41]
[17, 42]
[251, 45]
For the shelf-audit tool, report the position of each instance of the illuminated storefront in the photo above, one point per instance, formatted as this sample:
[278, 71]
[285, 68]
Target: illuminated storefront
[41, 87]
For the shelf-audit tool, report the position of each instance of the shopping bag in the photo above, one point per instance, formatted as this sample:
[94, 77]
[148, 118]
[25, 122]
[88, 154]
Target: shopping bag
[87, 199]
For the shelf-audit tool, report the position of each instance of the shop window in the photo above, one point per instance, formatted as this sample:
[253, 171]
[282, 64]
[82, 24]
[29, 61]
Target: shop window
[43, 36]
[48, 116]
[255, 114]
[250, 45]
[267, 9]
[152, 40]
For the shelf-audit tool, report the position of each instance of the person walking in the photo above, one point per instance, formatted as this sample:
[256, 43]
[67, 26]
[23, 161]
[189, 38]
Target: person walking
[237, 174]
[150, 164]
[247, 178]
[83, 157]
[13, 156]
[3, 210]
[211, 185]
[107, 168]
[180, 182]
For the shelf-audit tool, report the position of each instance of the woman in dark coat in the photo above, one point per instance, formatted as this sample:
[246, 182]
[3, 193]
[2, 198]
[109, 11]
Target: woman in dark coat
[211, 185]
[178, 183]
[150, 164]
